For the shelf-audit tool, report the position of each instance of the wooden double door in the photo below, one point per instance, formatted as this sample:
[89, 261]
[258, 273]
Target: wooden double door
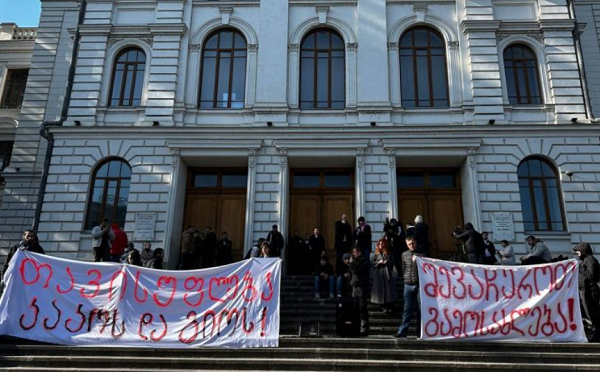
[437, 196]
[320, 206]
[218, 199]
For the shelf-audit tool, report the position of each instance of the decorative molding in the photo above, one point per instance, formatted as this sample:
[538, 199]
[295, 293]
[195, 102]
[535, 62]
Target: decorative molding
[195, 48]
[143, 38]
[252, 47]
[453, 44]
[293, 47]
[472, 155]
[420, 10]
[252, 153]
[391, 154]
[360, 158]
[535, 35]
[176, 153]
[322, 13]
[283, 155]
[226, 12]
[393, 46]
[351, 47]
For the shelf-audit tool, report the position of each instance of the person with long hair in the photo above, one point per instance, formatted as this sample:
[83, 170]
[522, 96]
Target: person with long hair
[384, 290]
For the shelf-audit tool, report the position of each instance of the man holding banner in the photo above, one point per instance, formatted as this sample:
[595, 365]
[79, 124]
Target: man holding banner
[412, 299]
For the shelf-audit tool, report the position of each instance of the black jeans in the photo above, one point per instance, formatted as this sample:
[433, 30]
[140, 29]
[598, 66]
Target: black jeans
[360, 296]
[101, 254]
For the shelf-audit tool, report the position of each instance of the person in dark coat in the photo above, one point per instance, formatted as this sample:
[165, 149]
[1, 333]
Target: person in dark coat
[209, 247]
[473, 243]
[589, 275]
[29, 243]
[396, 244]
[489, 255]
[422, 235]
[410, 274]
[343, 241]
[134, 258]
[324, 274]
[156, 262]
[343, 277]
[361, 270]
[298, 256]
[224, 255]
[316, 243]
[362, 235]
[276, 241]
[384, 291]
[187, 250]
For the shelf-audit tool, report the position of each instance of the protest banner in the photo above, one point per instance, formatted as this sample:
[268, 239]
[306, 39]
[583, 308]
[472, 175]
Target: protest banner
[103, 304]
[505, 303]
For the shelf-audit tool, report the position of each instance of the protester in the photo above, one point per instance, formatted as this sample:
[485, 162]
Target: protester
[265, 250]
[344, 276]
[384, 291]
[255, 250]
[360, 269]
[156, 262]
[118, 244]
[343, 242]
[147, 253]
[422, 235]
[29, 243]
[187, 257]
[507, 254]
[473, 243]
[316, 244]
[102, 237]
[276, 241]
[362, 235]
[396, 244]
[324, 274]
[410, 274]
[489, 255]
[134, 258]
[299, 259]
[130, 247]
[209, 247]
[224, 255]
[539, 253]
[589, 275]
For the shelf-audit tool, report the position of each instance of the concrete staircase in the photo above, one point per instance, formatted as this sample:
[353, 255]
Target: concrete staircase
[378, 352]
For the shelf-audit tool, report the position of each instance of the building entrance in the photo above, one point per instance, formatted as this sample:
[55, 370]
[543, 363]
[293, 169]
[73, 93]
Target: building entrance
[436, 195]
[318, 198]
[217, 198]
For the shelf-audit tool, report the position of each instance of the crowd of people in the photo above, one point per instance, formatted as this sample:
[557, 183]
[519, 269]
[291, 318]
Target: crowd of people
[360, 273]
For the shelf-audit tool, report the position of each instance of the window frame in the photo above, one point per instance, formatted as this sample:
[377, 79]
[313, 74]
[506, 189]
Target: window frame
[218, 50]
[316, 50]
[88, 217]
[134, 72]
[530, 180]
[515, 80]
[9, 89]
[414, 55]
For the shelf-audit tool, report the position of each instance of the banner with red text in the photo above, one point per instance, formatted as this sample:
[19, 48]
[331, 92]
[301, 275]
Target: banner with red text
[505, 303]
[79, 303]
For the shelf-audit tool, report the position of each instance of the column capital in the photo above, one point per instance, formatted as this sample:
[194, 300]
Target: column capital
[472, 155]
[252, 157]
[360, 157]
[391, 153]
[176, 154]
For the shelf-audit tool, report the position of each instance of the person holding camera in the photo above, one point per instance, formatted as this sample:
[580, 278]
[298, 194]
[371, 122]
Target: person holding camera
[103, 237]
[473, 242]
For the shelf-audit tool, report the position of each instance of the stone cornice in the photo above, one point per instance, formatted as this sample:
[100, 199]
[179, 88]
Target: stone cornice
[557, 24]
[168, 28]
[95, 30]
[480, 25]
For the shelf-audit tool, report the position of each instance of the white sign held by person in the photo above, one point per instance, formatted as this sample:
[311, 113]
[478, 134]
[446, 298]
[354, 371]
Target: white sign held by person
[505, 303]
[78, 303]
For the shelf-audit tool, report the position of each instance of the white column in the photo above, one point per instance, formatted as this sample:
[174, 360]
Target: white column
[360, 183]
[351, 74]
[294, 73]
[193, 76]
[393, 206]
[171, 241]
[283, 194]
[472, 153]
[454, 74]
[251, 75]
[394, 61]
[249, 230]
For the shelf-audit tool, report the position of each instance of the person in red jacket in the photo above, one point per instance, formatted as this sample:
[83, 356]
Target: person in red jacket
[119, 244]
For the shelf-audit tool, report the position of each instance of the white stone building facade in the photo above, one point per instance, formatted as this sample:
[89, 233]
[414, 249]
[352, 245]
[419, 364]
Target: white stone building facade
[473, 145]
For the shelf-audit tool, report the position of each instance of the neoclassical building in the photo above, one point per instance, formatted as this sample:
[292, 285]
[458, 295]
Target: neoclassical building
[243, 114]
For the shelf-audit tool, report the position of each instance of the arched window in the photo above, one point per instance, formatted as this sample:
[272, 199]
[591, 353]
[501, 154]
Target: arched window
[128, 78]
[522, 75]
[223, 75]
[423, 74]
[322, 70]
[109, 193]
[540, 195]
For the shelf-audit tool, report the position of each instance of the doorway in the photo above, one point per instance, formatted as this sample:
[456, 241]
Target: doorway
[318, 198]
[217, 198]
[436, 195]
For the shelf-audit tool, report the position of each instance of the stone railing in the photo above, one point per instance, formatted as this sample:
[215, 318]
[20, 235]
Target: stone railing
[25, 33]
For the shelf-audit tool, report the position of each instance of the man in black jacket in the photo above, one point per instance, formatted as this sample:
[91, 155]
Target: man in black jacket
[324, 274]
[276, 241]
[473, 241]
[343, 241]
[410, 273]
[156, 262]
[362, 235]
[316, 244]
[361, 269]
[209, 247]
[29, 243]
[224, 254]
[589, 275]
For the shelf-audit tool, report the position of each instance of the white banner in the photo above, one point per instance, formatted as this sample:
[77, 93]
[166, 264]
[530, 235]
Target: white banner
[101, 304]
[506, 303]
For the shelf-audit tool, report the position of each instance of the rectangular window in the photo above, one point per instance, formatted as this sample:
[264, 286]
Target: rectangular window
[14, 89]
